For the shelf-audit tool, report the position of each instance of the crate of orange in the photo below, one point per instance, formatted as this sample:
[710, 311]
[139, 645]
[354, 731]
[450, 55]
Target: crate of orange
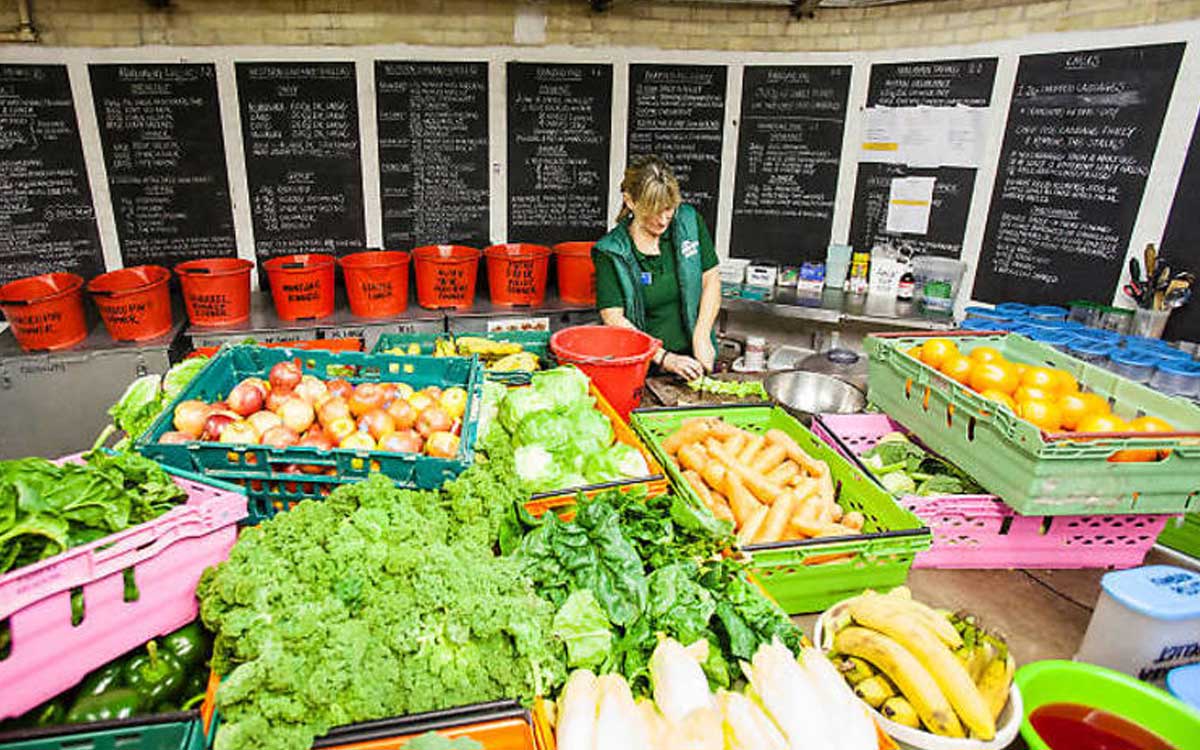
[1047, 433]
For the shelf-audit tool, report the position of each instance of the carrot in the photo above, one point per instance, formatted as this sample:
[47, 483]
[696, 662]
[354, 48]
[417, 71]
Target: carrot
[777, 518]
[722, 429]
[764, 490]
[784, 473]
[735, 443]
[720, 508]
[803, 486]
[808, 509]
[750, 529]
[741, 502]
[692, 430]
[835, 512]
[714, 475]
[692, 457]
[821, 528]
[854, 520]
[769, 458]
[796, 453]
[753, 445]
[693, 479]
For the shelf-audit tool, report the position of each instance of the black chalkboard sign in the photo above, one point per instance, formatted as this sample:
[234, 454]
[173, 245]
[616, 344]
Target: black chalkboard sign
[433, 152]
[559, 126]
[678, 113]
[300, 136]
[952, 190]
[160, 126]
[47, 222]
[936, 83]
[789, 148]
[1181, 241]
[1080, 139]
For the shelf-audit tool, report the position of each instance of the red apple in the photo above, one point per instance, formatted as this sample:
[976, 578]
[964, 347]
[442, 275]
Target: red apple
[377, 422]
[402, 441]
[311, 389]
[190, 417]
[285, 376]
[334, 408]
[239, 431]
[366, 396]
[174, 437]
[434, 419]
[403, 413]
[216, 423]
[246, 398]
[297, 414]
[442, 445]
[263, 421]
[280, 437]
[340, 387]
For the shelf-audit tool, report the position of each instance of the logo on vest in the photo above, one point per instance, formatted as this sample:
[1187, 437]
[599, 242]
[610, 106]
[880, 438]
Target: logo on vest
[690, 248]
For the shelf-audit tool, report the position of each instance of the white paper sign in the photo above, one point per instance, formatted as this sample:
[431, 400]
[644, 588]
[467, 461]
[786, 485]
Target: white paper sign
[909, 204]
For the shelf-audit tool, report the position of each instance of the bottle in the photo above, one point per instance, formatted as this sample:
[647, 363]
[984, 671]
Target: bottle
[904, 292]
[755, 355]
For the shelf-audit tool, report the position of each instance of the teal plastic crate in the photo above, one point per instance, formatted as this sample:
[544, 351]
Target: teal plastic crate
[1182, 535]
[534, 342]
[276, 479]
[809, 575]
[177, 731]
[1035, 473]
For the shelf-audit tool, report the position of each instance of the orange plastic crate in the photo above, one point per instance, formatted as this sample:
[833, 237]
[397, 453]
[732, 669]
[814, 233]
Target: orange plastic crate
[329, 345]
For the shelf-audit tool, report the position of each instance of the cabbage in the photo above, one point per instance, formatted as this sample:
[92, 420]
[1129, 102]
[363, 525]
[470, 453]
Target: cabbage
[547, 429]
[562, 387]
[620, 461]
[518, 404]
[536, 467]
[493, 397]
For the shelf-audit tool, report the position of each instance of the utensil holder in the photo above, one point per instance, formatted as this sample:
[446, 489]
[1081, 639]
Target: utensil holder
[1150, 323]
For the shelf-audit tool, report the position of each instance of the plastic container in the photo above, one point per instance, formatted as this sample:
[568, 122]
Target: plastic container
[172, 731]
[616, 359]
[1050, 336]
[268, 474]
[1012, 309]
[576, 272]
[809, 575]
[165, 556]
[1184, 684]
[1161, 604]
[376, 282]
[984, 324]
[937, 281]
[1112, 338]
[980, 531]
[45, 312]
[1177, 378]
[517, 273]
[837, 265]
[216, 291]
[302, 285]
[1133, 364]
[1038, 473]
[1048, 312]
[733, 270]
[1089, 350]
[446, 276]
[985, 313]
[1057, 681]
[1150, 323]
[134, 303]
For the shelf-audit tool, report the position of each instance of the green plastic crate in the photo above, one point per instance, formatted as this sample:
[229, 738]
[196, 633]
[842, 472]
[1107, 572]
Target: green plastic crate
[177, 731]
[810, 575]
[272, 477]
[1013, 459]
[534, 342]
[1182, 535]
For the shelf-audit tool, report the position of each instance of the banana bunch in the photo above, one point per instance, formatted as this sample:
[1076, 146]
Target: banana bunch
[921, 667]
[497, 356]
[485, 348]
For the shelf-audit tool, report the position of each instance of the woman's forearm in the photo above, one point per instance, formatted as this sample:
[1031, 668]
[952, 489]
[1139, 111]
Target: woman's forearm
[710, 303]
[615, 316]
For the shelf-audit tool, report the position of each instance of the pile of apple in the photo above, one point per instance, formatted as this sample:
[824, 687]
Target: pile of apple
[291, 408]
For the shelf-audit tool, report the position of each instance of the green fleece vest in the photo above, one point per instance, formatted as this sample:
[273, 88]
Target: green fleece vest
[685, 236]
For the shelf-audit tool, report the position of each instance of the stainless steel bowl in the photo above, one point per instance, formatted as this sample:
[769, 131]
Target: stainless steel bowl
[804, 394]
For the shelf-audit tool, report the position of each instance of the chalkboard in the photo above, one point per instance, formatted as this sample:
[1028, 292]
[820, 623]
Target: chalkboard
[952, 192]
[300, 137]
[936, 83]
[559, 125]
[678, 113]
[1181, 241]
[160, 127]
[1080, 139]
[433, 152]
[788, 152]
[47, 222]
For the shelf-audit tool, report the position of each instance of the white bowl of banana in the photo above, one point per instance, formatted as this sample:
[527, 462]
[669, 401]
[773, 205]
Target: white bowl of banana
[935, 680]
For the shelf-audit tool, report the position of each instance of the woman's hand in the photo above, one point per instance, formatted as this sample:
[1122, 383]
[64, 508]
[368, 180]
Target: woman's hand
[685, 367]
[706, 355]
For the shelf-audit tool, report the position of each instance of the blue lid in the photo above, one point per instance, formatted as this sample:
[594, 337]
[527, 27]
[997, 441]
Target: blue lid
[1047, 311]
[1179, 367]
[1184, 684]
[1172, 355]
[1012, 309]
[1089, 347]
[1163, 592]
[1102, 334]
[1134, 357]
[1049, 336]
[982, 324]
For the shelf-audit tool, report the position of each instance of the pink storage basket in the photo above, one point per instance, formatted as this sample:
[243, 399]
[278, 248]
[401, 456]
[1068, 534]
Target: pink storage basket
[167, 556]
[980, 531]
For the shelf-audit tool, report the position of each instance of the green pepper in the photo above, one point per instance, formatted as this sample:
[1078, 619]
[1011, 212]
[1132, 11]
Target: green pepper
[156, 675]
[103, 679]
[189, 644]
[52, 712]
[118, 703]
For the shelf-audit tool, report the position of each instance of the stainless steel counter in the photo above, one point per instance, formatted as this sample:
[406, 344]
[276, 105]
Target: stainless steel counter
[834, 307]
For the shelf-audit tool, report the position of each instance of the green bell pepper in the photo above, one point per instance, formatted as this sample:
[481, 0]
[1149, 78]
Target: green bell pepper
[189, 644]
[119, 703]
[156, 676]
[103, 679]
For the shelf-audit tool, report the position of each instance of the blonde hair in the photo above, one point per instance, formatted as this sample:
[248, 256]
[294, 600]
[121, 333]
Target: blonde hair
[651, 186]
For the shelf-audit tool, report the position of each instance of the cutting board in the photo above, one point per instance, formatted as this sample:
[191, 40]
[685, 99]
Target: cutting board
[671, 391]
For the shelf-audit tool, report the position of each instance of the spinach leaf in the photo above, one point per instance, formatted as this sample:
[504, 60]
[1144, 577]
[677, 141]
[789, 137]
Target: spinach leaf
[679, 604]
[40, 534]
[582, 626]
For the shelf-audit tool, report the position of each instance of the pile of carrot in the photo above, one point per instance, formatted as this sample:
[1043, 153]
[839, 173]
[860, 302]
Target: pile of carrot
[766, 484]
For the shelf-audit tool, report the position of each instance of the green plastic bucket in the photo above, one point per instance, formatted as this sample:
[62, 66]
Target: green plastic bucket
[1057, 681]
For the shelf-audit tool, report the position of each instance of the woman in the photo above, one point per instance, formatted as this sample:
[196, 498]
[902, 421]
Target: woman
[657, 270]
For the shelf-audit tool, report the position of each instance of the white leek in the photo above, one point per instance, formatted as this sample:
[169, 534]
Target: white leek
[680, 686]
[619, 724]
[745, 726]
[791, 699]
[577, 711]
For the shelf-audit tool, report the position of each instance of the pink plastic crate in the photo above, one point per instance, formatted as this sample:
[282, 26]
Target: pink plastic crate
[49, 655]
[980, 531]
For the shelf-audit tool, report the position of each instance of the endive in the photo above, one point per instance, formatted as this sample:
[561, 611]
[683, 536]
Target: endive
[577, 712]
[791, 699]
[745, 726]
[856, 731]
[680, 686]
[619, 723]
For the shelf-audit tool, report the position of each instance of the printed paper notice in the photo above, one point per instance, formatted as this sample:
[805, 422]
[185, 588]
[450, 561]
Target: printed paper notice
[881, 135]
[909, 204]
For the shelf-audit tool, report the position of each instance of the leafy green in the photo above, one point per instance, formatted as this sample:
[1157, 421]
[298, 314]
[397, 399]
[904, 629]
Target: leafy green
[561, 387]
[905, 468]
[548, 429]
[177, 378]
[582, 626]
[519, 403]
[146, 397]
[434, 741]
[738, 389]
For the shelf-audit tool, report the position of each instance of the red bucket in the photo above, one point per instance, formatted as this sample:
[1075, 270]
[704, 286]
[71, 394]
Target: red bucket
[45, 312]
[517, 273]
[376, 282]
[576, 272]
[446, 276]
[301, 285]
[616, 359]
[216, 291]
[134, 303]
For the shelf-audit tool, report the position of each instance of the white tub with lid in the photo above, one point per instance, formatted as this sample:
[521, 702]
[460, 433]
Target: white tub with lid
[1146, 622]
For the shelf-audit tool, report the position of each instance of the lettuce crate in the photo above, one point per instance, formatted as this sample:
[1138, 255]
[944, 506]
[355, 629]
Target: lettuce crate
[276, 479]
[1183, 535]
[534, 342]
[809, 575]
[1035, 472]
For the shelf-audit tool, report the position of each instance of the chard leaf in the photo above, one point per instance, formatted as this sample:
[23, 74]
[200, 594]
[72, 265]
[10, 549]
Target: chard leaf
[582, 626]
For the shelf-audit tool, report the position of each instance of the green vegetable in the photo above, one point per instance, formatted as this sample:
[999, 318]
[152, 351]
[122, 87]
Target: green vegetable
[146, 397]
[735, 388]
[121, 703]
[189, 645]
[434, 741]
[103, 679]
[518, 404]
[156, 676]
[582, 626]
[561, 387]
[904, 468]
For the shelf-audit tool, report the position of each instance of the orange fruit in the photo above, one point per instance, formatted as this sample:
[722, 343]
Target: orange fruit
[957, 367]
[1033, 393]
[1043, 413]
[986, 354]
[1145, 424]
[1000, 397]
[1101, 423]
[1066, 381]
[999, 376]
[1150, 424]
[1021, 368]
[1097, 404]
[1075, 406]
[936, 351]
[1040, 377]
[914, 352]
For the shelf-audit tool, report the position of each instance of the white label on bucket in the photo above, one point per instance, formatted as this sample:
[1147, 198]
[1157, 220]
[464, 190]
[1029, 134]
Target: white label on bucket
[518, 324]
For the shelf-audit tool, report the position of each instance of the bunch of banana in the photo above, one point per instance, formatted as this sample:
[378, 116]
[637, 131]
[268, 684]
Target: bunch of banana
[921, 667]
[485, 348]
